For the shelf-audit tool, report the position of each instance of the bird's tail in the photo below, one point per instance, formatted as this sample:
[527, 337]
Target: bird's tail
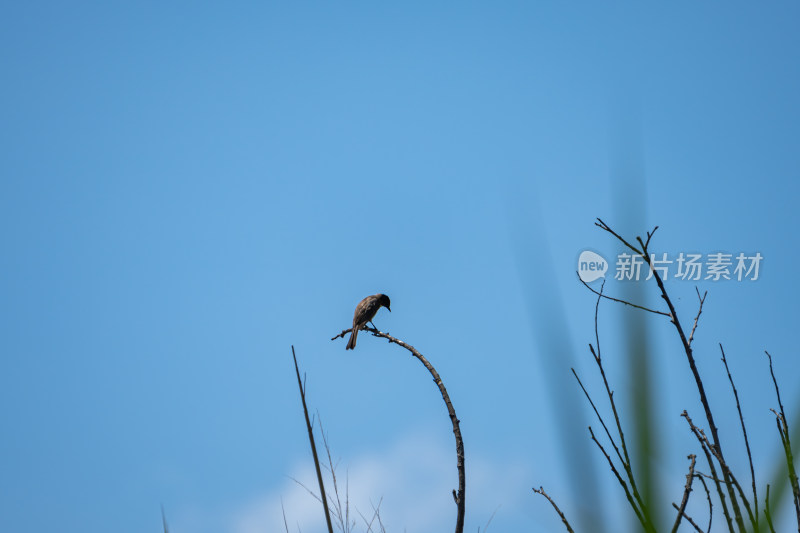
[352, 342]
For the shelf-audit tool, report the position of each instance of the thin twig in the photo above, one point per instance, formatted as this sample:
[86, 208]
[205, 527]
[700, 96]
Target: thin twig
[336, 501]
[311, 492]
[563, 518]
[710, 462]
[710, 505]
[746, 440]
[603, 225]
[731, 480]
[787, 445]
[596, 320]
[313, 445]
[639, 513]
[699, 312]
[623, 301]
[378, 514]
[775, 382]
[649, 236]
[375, 513]
[600, 418]
[626, 462]
[490, 520]
[689, 478]
[342, 334]
[283, 511]
[689, 519]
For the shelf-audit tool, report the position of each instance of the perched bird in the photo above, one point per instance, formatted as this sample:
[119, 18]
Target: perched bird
[365, 312]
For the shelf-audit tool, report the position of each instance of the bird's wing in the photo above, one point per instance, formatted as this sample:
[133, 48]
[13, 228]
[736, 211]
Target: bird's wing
[365, 310]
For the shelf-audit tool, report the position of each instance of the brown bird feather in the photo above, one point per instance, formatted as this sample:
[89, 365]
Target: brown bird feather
[365, 312]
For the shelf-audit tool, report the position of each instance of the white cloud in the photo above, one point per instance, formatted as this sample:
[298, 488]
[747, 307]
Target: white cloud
[414, 477]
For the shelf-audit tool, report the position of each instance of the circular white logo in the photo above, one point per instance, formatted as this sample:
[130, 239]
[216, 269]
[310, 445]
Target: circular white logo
[591, 266]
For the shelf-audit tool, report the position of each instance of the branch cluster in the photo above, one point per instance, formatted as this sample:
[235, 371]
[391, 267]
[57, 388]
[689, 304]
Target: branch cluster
[739, 508]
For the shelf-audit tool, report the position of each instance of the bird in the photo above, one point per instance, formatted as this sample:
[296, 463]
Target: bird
[365, 312]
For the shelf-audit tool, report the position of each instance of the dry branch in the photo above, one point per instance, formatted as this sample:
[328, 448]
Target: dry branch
[459, 496]
[686, 491]
[746, 441]
[313, 445]
[634, 497]
[699, 312]
[626, 302]
[710, 505]
[563, 518]
[639, 513]
[783, 429]
[644, 253]
[689, 519]
[710, 461]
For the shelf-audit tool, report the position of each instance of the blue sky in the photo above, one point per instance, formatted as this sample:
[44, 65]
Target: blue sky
[190, 189]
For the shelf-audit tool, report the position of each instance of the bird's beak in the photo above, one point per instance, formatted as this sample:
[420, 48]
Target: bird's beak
[389, 308]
